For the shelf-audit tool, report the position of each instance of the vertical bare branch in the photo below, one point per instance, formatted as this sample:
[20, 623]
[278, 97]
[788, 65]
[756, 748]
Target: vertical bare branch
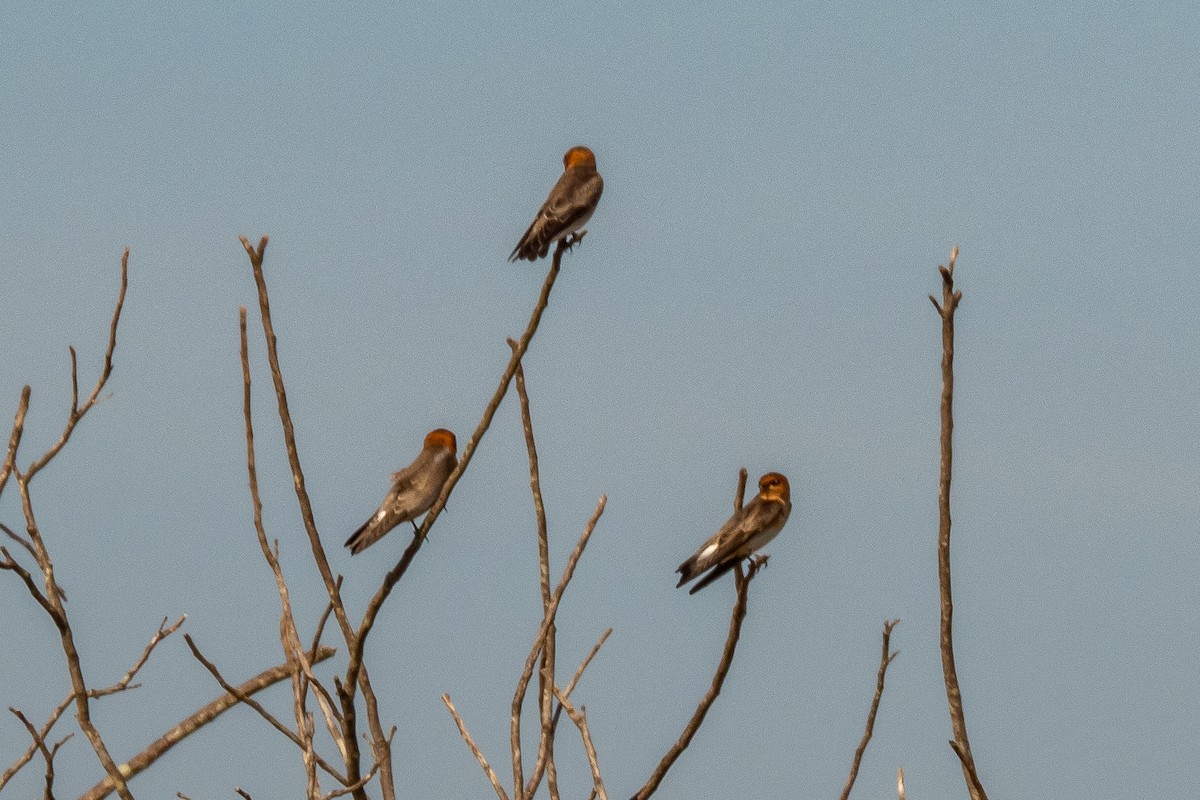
[14, 438]
[483, 762]
[580, 719]
[289, 438]
[740, 497]
[884, 662]
[735, 631]
[546, 675]
[348, 741]
[547, 764]
[538, 640]
[958, 723]
[900, 783]
[293, 650]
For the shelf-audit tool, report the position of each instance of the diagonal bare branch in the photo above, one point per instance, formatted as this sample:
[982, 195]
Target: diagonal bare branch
[884, 662]
[735, 631]
[479, 756]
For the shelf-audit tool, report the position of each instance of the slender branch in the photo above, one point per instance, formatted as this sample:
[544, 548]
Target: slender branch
[14, 438]
[542, 634]
[884, 662]
[48, 754]
[348, 741]
[958, 723]
[546, 675]
[397, 572]
[580, 719]
[293, 650]
[77, 412]
[532, 785]
[740, 497]
[479, 756]
[239, 694]
[735, 631]
[123, 684]
[202, 717]
[900, 783]
[289, 436]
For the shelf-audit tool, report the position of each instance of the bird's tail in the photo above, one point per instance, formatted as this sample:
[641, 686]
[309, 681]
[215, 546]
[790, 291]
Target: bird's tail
[362, 538]
[715, 573]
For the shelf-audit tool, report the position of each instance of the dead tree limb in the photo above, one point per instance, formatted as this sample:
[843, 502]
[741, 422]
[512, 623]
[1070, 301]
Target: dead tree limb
[958, 723]
[884, 662]
[742, 581]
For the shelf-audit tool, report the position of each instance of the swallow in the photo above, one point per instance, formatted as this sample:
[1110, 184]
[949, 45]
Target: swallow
[567, 209]
[414, 490]
[749, 529]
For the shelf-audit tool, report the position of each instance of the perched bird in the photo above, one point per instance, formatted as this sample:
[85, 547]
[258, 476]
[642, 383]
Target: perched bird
[413, 491]
[567, 209]
[750, 528]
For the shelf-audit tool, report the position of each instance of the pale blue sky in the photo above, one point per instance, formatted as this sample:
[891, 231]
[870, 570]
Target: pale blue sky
[781, 182]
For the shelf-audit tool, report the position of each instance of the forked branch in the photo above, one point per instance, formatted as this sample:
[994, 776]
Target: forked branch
[884, 662]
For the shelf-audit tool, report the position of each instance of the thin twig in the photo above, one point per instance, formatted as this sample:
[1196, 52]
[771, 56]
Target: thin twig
[546, 675]
[293, 650]
[958, 723]
[122, 685]
[14, 438]
[202, 717]
[580, 719]
[348, 740]
[558, 711]
[479, 756]
[547, 622]
[239, 695]
[735, 631]
[77, 412]
[900, 783]
[740, 497]
[884, 662]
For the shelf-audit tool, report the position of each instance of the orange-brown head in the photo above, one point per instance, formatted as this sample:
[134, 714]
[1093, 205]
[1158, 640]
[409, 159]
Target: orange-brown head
[774, 486]
[579, 156]
[441, 438]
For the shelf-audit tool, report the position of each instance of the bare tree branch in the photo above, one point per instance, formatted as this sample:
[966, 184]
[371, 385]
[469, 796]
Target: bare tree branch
[14, 438]
[546, 675]
[742, 582]
[239, 695]
[397, 572]
[580, 719]
[479, 756]
[120, 686]
[537, 775]
[293, 650]
[232, 696]
[77, 412]
[884, 662]
[740, 497]
[50, 599]
[900, 783]
[48, 753]
[958, 723]
[539, 640]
